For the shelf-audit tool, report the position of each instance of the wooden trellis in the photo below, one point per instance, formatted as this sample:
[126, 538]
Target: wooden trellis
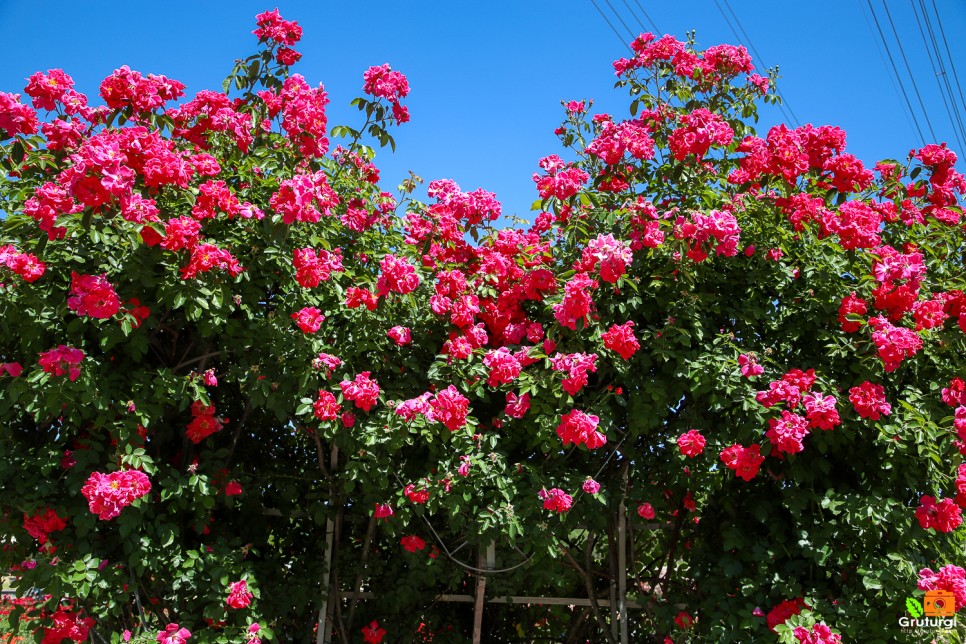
[618, 602]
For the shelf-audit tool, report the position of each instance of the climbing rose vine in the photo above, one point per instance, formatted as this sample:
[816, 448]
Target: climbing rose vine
[226, 350]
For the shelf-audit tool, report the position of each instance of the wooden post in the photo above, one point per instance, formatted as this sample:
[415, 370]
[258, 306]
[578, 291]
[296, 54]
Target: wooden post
[490, 564]
[622, 571]
[322, 635]
[613, 567]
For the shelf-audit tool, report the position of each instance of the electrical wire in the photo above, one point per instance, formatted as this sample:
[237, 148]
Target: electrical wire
[781, 105]
[657, 30]
[912, 76]
[761, 63]
[952, 66]
[643, 28]
[609, 23]
[941, 75]
[630, 32]
[892, 80]
[895, 72]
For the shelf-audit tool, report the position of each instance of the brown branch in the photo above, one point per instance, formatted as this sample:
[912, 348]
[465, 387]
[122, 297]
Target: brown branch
[589, 585]
[203, 358]
[238, 428]
[370, 532]
[343, 635]
[576, 628]
[321, 455]
[335, 596]
[672, 547]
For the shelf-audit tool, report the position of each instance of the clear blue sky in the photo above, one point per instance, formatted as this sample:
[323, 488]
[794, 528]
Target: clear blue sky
[487, 77]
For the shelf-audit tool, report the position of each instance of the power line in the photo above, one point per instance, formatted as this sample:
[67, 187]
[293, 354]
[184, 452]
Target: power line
[609, 23]
[734, 31]
[951, 110]
[643, 28]
[629, 30]
[892, 80]
[761, 62]
[952, 66]
[651, 22]
[895, 71]
[912, 76]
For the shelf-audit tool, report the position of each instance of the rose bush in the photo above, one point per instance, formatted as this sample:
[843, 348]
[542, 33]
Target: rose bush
[219, 335]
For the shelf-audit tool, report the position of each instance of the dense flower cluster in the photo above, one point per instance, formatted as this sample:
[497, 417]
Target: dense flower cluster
[108, 494]
[397, 276]
[745, 461]
[271, 26]
[363, 391]
[620, 339]
[782, 612]
[326, 407]
[174, 634]
[556, 500]
[950, 578]
[577, 301]
[616, 140]
[40, 525]
[787, 433]
[894, 344]
[717, 231]
[208, 257]
[203, 423]
[817, 634]
[576, 366]
[869, 400]
[26, 265]
[128, 88]
[93, 296]
[309, 319]
[238, 595]
[699, 130]
[691, 443]
[314, 267]
[62, 360]
[504, 367]
[580, 428]
[412, 543]
[68, 625]
[562, 180]
[450, 407]
[610, 255]
[942, 516]
[305, 198]
[382, 82]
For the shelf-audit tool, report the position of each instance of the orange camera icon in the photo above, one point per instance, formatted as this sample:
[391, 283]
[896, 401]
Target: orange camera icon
[939, 603]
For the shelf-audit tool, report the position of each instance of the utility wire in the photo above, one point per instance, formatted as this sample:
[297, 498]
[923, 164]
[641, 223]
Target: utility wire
[912, 76]
[892, 80]
[643, 28]
[734, 31]
[952, 66]
[895, 71]
[951, 110]
[609, 23]
[651, 22]
[761, 62]
[629, 30]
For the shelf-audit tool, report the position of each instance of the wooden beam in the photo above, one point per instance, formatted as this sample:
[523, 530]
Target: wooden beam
[513, 599]
[622, 571]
